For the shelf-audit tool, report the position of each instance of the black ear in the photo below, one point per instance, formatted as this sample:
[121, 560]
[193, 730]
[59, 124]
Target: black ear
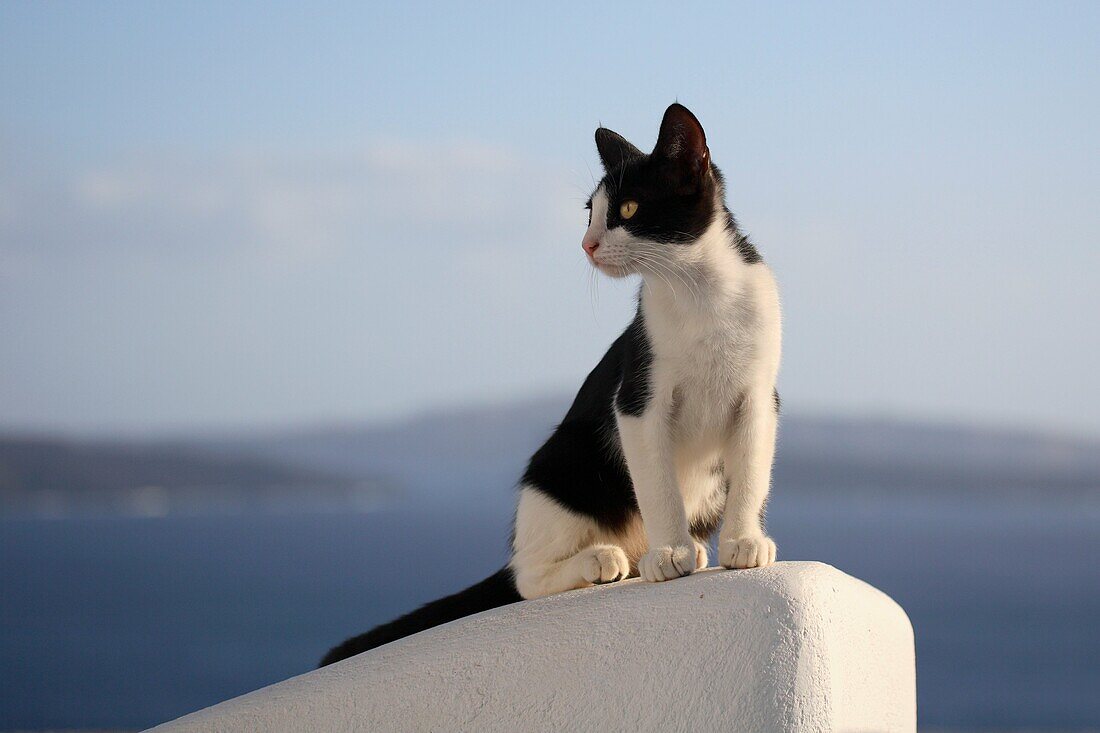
[683, 143]
[614, 149]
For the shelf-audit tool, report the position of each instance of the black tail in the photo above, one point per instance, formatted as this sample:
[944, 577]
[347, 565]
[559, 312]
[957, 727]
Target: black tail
[499, 589]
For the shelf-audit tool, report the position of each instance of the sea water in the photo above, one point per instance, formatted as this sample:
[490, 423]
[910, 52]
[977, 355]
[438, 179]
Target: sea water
[130, 622]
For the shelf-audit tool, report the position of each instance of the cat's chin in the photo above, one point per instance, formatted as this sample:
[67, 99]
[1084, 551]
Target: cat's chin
[614, 271]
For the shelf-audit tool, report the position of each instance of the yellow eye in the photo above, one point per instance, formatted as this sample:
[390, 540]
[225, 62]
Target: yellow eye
[628, 208]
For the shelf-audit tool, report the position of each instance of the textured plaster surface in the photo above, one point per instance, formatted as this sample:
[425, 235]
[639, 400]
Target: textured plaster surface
[797, 646]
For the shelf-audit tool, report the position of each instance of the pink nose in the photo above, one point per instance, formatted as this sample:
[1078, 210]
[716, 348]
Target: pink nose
[590, 246]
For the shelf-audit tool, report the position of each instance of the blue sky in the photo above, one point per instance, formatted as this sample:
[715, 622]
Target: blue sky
[228, 215]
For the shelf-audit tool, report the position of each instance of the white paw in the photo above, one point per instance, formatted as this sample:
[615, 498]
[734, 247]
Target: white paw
[701, 557]
[603, 564]
[746, 552]
[668, 562]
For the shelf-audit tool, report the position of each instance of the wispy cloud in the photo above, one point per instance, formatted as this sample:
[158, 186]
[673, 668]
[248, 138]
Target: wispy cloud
[281, 203]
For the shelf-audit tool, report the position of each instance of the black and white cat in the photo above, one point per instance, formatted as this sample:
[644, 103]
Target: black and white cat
[673, 433]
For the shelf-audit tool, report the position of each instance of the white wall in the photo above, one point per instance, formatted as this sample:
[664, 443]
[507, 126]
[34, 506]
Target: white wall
[798, 646]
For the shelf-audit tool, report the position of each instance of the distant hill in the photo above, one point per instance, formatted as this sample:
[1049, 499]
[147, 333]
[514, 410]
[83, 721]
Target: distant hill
[477, 453]
[52, 477]
[483, 449]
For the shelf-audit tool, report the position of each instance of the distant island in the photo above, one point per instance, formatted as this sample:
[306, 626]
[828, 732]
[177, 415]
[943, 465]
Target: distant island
[50, 477]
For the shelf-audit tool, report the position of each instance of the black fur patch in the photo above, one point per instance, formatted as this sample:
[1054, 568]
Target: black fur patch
[669, 212]
[666, 213]
[741, 242]
[580, 466]
[634, 389]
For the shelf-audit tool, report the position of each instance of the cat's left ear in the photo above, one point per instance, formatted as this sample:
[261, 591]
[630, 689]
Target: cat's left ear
[683, 144]
[614, 149]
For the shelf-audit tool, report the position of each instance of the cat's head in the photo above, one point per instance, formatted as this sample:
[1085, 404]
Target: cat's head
[648, 211]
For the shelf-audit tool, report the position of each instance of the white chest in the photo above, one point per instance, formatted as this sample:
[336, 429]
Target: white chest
[706, 373]
[707, 355]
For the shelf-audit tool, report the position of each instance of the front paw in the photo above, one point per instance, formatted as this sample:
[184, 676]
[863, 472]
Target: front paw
[669, 561]
[746, 552]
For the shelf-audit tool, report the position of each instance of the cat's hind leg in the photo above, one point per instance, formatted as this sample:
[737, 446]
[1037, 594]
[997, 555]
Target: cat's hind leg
[556, 550]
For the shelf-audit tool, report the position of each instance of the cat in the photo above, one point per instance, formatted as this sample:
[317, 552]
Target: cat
[672, 435]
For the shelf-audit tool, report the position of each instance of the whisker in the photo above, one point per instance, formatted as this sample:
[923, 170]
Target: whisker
[654, 265]
[655, 262]
[593, 292]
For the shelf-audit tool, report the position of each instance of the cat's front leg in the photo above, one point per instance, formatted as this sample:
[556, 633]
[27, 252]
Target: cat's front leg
[742, 542]
[647, 447]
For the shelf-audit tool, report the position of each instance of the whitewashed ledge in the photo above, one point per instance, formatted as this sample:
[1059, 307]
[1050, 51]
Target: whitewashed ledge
[798, 646]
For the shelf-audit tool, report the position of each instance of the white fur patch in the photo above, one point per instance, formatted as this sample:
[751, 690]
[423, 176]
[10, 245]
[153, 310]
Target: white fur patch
[555, 549]
[613, 255]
